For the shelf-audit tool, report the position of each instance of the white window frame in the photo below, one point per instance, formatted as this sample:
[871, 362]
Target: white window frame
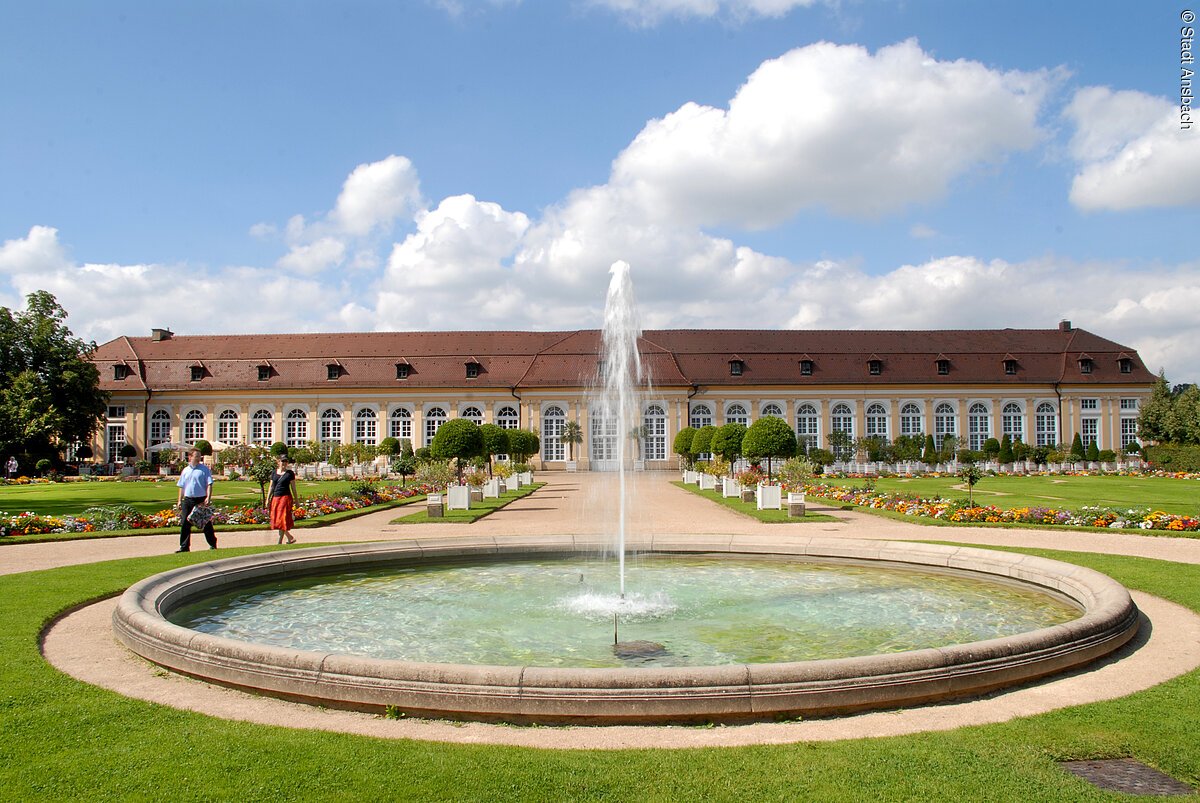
[1012, 421]
[945, 422]
[701, 415]
[193, 426]
[1046, 424]
[330, 425]
[435, 416]
[160, 427]
[400, 424]
[295, 425]
[912, 419]
[877, 420]
[228, 426]
[979, 425]
[808, 425]
[366, 426]
[654, 440]
[262, 427]
[737, 413]
[554, 418]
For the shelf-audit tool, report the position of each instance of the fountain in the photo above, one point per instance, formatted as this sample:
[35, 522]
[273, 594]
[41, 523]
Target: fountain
[666, 678]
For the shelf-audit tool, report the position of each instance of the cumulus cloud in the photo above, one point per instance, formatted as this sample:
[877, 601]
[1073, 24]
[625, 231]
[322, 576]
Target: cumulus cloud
[1131, 152]
[314, 257]
[376, 194]
[831, 126]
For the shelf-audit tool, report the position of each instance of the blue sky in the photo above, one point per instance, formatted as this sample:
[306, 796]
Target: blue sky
[273, 167]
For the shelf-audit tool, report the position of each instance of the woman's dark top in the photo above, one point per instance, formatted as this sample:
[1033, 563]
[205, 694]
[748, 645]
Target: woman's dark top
[281, 484]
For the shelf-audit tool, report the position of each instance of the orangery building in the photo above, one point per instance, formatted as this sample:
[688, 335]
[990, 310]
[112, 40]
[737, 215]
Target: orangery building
[1039, 385]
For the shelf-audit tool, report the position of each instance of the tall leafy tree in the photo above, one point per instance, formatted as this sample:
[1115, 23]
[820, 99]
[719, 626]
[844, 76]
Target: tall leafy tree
[1156, 422]
[495, 441]
[682, 445]
[727, 442]
[769, 437]
[49, 388]
[458, 438]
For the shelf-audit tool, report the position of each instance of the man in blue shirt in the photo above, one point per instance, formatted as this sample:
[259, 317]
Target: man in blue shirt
[195, 488]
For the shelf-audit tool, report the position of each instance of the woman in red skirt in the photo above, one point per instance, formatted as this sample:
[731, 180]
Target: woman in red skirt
[283, 495]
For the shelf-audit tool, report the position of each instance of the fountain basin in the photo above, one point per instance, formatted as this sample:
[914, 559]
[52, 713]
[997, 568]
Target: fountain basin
[630, 695]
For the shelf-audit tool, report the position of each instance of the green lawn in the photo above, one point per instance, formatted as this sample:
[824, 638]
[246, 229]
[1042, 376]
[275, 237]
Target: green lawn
[65, 740]
[476, 512]
[1071, 492]
[145, 496]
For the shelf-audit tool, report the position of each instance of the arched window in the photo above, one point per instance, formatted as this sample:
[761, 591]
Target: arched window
[736, 414]
[945, 422]
[193, 426]
[1046, 418]
[227, 426]
[331, 425]
[553, 419]
[979, 425]
[701, 416]
[654, 442]
[773, 410]
[910, 420]
[160, 427]
[365, 427]
[877, 421]
[808, 427]
[434, 418]
[841, 419]
[508, 418]
[472, 414]
[296, 427]
[1013, 422]
[400, 424]
[262, 427]
[603, 425]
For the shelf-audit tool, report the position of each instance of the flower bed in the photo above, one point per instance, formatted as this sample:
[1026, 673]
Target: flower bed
[122, 517]
[962, 511]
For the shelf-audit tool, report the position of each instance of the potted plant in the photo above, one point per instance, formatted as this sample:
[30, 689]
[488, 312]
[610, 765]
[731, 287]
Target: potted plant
[571, 435]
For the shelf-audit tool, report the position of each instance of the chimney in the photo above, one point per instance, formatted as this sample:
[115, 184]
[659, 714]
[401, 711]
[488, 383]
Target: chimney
[160, 334]
[1064, 326]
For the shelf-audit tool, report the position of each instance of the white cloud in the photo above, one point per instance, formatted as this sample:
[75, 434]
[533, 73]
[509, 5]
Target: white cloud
[920, 231]
[40, 250]
[314, 258]
[1131, 152]
[831, 126]
[651, 12]
[375, 195]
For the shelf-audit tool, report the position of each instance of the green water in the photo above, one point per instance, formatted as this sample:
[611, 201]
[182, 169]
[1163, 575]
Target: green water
[559, 613]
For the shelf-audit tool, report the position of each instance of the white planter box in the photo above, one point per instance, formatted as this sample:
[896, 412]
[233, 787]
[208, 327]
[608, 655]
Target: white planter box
[526, 477]
[770, 497]
[708, 482]
[691, 476]
[458, 497]
[730, 487]
[491, 488]
[435, 505]
[572, 466]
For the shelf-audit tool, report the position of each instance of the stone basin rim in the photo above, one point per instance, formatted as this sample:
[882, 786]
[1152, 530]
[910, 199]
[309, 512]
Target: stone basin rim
[735, 692]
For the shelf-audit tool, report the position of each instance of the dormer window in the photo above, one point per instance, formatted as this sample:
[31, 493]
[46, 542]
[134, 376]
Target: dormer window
[1126, 365]
[875, 367]
[120, 371]
[806, 367]
[1085, 365]
[402, 370]
[943, 367]
[1010, 367]
[197, 373]
[264, 373]
[333, 371]
[472, 370]
[736, 367]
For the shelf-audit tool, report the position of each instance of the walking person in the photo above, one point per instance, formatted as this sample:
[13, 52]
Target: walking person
[195, 490]
[283, 496]
[12, 467]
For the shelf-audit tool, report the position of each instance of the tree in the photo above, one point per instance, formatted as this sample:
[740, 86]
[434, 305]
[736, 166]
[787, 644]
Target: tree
[405, 465]
[495, 441]
[522, 444]
[1020, 450]
[727, 442]
[1093, 452]
[907, 447]
[769, 437]
[571, 435]
[458, 438]
[279, 449]
[1005, 455]
[841, 444]
[1077, 448]
[1156, 421]
[991, 448]
[929, 457]
[970, 474]
[49, 388]
[389, 447]
[702, 442]
[1187, 415]
[949, 447]
[261, 471]
[127, 451]
[682, 445]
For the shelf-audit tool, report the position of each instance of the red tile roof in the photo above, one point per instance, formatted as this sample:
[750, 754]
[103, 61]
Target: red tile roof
[672, 358]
